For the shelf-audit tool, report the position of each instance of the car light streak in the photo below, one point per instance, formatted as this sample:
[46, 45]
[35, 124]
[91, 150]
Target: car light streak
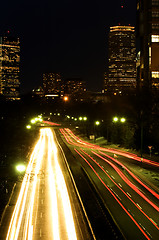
[119, 152]
[126, 180]
[53, 195]
[127, 195]
[137, 179]
[22, 224]
[92, 146]
[126, 211]
[51, 123]
[57, 176]
[16, 220]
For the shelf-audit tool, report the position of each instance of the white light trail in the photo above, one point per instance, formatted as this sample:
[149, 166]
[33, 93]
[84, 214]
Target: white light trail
[22, 225]
[16, 220]
[62, 189]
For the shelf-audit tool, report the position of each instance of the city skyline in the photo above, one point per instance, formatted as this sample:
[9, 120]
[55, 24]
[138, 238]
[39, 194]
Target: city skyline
[63, 37]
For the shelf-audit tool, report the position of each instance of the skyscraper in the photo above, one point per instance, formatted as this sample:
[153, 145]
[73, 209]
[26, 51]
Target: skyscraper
[122, 60]
[9, 67]
[148, 39]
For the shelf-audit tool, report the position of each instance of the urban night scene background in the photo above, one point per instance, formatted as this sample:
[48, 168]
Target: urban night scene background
[79, 120]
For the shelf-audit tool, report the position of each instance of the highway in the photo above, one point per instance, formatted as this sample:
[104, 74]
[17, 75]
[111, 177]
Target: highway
[73, 189]
[43, 209]
[131, 201]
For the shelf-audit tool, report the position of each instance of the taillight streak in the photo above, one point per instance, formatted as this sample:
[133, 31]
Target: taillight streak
[113, 194]
[111, 150]
[137, 179]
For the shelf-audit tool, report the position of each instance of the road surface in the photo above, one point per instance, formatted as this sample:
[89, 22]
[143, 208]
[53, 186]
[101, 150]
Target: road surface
[45, 208]
[131, 201]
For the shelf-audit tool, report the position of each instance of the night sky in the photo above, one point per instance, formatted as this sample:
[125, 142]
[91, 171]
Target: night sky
[63, 36]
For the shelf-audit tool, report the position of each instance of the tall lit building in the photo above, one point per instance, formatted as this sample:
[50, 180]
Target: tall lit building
[148, 39]
[9, 67]
[52, 83]
[122, 60]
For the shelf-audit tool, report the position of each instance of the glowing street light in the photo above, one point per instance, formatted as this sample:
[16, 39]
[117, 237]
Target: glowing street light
[20, 168]
[85, 118]
[80, 118]
[28, 127]
[97, 123]
[65, 98]
[122, 120]
[115, 119]
[33, 121]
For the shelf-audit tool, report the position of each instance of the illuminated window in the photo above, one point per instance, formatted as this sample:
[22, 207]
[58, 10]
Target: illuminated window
[149, 56]
[155, 74]
[155, 38]
[155, 26]
[155, 2]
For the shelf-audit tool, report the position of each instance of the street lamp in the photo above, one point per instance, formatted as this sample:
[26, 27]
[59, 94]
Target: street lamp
[65, 98]
[97, 123]
[33, 121]
[115, 119]
[122, 120]
[20, 168]
[85, 118]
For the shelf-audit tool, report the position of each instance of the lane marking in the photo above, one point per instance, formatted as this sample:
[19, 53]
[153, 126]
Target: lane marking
[128, 194]
[138, 205]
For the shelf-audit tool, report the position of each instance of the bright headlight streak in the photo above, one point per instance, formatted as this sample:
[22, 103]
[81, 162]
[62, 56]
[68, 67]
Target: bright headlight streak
[38, 161]
[39, 150]
[13, 231]
[52, 185]
[70, 227]
[38, 166]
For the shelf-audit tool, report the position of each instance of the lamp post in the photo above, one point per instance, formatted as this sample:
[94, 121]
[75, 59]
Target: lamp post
[118, 120]
[96, 124]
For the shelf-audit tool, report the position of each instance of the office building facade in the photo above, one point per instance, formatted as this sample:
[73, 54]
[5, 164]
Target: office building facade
[52, 84]
[148, 39]
[9, 67]
[76, 88]
[121, 77]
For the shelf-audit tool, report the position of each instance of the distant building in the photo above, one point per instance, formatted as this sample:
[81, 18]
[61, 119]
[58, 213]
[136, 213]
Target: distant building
[105, 83]
[38, 92]
[9, 67]
[52, 84]
[121, 77]
[148, 39]
[75, 87]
